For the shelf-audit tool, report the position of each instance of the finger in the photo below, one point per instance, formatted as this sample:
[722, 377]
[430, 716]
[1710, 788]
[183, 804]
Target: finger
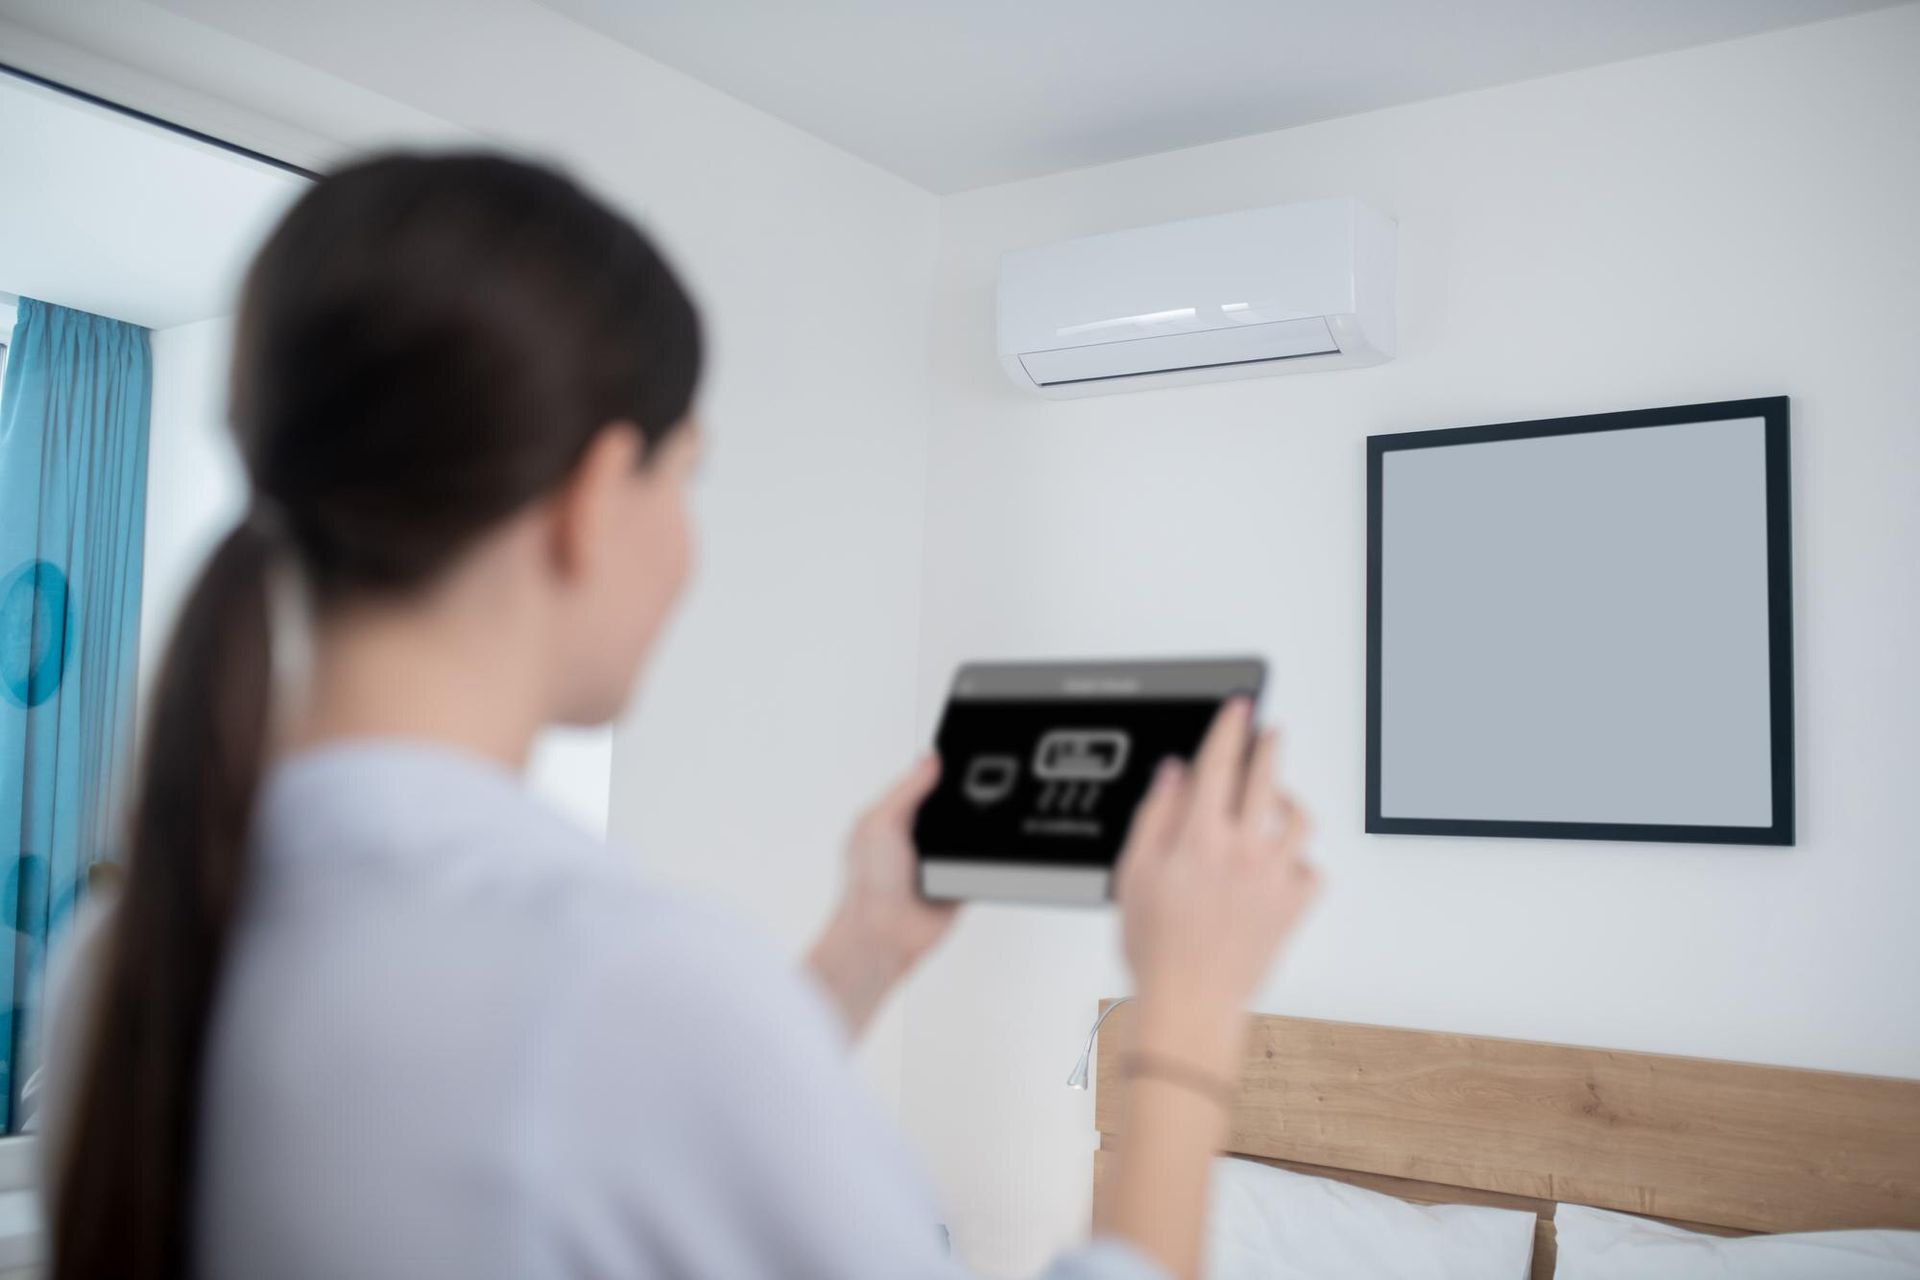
[1260, 794]
[1279, 834]
[896, 807]
[1221, 763]
[1158, 816]
[1299, 825]
[1308, 883]
[1152, 831]
[1299, 890]
[1294, 827]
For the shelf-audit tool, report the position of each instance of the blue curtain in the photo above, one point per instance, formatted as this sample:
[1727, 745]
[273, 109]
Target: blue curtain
[73, 500]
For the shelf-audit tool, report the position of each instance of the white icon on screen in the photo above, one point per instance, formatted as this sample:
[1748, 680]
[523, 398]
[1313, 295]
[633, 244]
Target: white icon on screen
[1074, 763]
[1081, 755]
[990, 779]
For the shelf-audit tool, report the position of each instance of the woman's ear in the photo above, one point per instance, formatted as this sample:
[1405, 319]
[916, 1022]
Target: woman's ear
[584, 507]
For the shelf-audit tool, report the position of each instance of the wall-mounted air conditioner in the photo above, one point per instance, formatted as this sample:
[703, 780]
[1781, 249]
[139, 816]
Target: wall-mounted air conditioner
[1282, 290]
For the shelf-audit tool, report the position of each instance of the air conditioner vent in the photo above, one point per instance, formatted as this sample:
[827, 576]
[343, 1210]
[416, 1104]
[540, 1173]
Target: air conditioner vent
[1211, 349]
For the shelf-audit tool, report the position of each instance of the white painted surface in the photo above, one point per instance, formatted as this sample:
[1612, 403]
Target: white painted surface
[962, 95]
[196, 489]
[135, 53]
[119, 218]
[1656, 232]
[22, 1240]
[573, 768]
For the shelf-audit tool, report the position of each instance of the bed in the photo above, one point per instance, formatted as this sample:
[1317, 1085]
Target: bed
[1722, 1147]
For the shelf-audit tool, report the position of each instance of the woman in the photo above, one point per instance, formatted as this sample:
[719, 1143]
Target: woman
[363, 1006]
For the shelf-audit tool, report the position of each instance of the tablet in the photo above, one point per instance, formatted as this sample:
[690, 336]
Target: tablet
[1043, 763]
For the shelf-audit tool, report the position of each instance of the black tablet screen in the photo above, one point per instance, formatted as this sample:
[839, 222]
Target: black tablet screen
[1045, 763]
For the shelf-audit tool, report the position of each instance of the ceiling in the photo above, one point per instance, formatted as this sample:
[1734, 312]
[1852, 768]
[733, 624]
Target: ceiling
[953, 94]
[125, 219]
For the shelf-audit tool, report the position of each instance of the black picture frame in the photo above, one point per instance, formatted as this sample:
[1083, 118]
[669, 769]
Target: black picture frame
[1774, 412]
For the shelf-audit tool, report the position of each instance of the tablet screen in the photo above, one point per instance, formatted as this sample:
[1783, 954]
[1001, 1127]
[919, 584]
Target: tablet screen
[1043, 764]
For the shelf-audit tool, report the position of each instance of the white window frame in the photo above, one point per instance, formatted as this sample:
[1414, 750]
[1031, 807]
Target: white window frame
[19, 1162]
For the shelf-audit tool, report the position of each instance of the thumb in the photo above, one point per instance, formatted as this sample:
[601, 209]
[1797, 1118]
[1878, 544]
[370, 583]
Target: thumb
[897, 806]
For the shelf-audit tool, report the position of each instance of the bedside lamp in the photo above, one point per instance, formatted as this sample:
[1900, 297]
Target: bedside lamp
[1078, 1080]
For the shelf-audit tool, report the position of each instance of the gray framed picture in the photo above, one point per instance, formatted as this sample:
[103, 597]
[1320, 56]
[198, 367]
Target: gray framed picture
[1582, 628]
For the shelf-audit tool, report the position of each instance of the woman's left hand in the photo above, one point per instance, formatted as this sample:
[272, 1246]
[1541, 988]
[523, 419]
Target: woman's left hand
[883, 926]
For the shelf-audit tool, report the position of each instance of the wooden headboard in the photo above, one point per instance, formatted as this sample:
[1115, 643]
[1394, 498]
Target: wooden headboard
[1725, 1147]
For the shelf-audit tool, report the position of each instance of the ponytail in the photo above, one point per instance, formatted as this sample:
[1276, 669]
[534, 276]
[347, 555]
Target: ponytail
[124, 1194]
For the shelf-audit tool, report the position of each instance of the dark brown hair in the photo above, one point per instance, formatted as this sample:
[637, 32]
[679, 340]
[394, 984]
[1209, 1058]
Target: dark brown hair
[425, 345]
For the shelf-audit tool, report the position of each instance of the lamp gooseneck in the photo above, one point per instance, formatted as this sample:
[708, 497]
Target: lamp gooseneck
[1078, 1078]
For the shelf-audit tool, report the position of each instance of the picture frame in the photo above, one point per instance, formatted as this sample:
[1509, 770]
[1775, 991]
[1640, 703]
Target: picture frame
[1660, 717]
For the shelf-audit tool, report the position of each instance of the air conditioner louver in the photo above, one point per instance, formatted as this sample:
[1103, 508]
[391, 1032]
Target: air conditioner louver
[1180, 352]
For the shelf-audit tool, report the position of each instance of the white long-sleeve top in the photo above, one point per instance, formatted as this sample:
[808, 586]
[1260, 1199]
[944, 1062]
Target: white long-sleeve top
[457, 1037]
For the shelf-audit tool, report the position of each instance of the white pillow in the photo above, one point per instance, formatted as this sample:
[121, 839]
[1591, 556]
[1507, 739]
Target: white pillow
[1597, 1245]
[1276, 1225]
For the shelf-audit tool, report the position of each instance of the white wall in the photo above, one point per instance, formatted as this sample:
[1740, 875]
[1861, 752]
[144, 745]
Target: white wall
[1731, 221]
[195, 487]
[138, 54]
[113, 216]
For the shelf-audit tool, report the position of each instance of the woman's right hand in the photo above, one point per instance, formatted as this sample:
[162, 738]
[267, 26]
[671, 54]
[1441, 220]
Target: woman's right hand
[1212, 880]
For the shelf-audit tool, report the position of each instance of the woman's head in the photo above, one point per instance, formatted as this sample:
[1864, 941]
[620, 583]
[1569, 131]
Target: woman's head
[447, 369]
[435, 351]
